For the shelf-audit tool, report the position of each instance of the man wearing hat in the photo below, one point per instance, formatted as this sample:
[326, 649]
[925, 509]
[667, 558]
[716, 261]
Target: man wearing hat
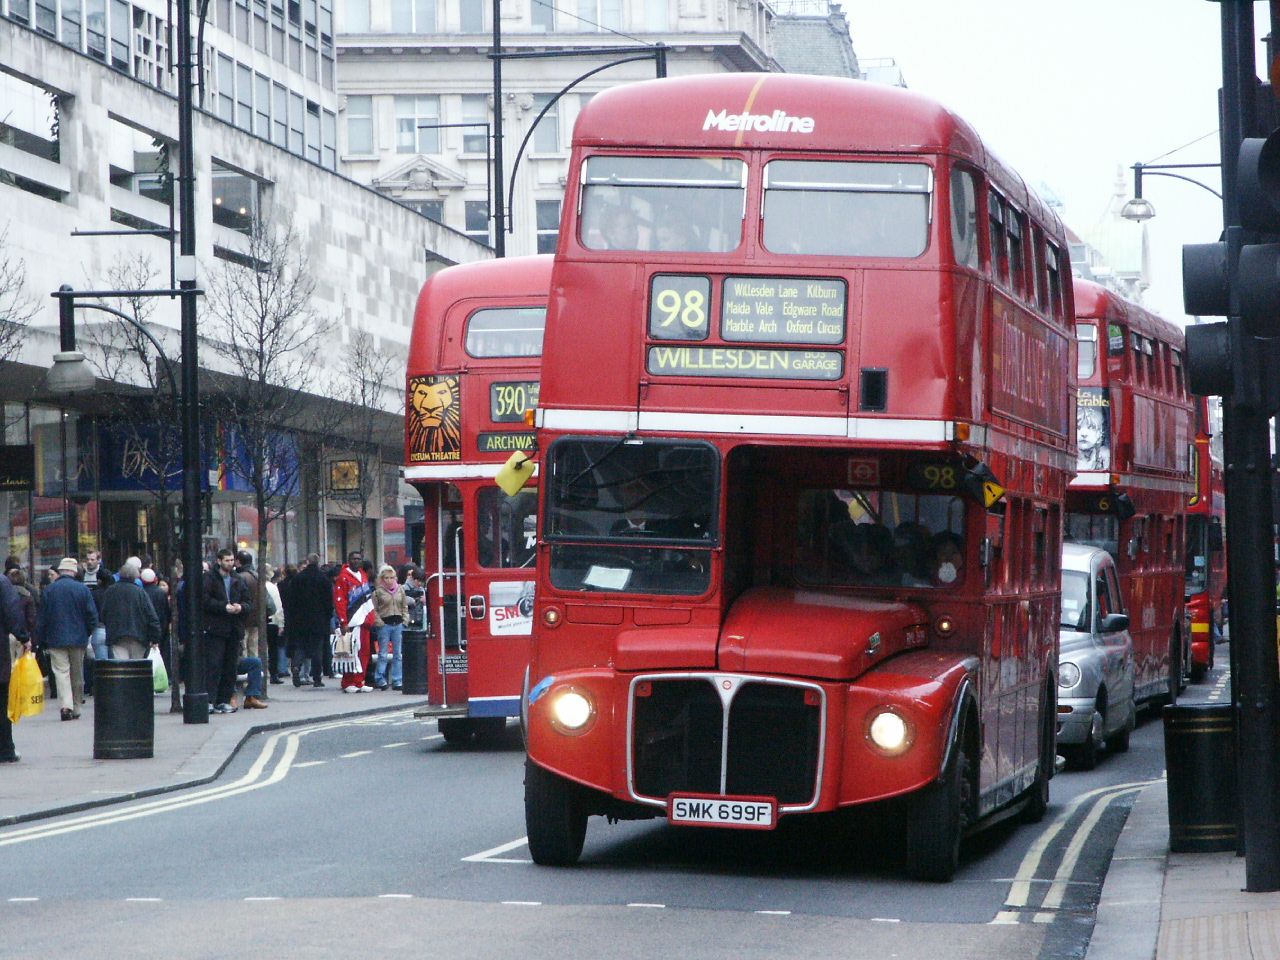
[68, 616]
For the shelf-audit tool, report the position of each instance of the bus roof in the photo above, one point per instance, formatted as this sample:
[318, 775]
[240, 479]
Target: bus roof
[781, 111]
[517, 279]
[1096, 302]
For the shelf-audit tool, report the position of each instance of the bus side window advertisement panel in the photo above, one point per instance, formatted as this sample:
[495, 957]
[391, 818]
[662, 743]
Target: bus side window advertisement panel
[1093, 429]
[434, 418]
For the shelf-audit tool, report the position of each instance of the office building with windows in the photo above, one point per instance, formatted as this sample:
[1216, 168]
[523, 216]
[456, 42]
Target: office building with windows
[88, 130]
[416, 83]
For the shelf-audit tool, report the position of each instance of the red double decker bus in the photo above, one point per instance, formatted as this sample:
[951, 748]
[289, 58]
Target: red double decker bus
[805, 437]
[1206, 557]
[1135, 441]
[472, 375]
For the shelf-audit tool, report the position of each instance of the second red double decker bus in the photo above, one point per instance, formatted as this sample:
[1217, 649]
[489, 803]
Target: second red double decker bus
[1206, 558]
[1134, 436]
[473, 370]
[805, 437]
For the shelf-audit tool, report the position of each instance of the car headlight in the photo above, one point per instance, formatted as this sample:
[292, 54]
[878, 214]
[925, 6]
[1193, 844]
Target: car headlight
[571, 710]
[889, 731]
[1068, 675]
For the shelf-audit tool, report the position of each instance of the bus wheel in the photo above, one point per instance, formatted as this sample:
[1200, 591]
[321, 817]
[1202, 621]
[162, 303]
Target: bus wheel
[1038, 796]
[936, 820]
[554, 817]
[489, 729]
[455, 730]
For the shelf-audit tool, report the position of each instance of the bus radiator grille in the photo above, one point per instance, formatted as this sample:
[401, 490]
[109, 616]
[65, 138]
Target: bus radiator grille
[678, 741]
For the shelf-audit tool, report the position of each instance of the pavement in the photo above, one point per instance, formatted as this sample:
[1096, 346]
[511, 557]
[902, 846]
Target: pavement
[58, 774]
[1155, 905]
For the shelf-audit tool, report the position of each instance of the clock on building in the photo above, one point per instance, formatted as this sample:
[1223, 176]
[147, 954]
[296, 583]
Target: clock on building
[344, 476]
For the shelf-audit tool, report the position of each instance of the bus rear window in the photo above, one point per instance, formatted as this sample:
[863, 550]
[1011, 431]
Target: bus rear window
[506, 332]
[859, 209]
[679, 204]
[1086, 350]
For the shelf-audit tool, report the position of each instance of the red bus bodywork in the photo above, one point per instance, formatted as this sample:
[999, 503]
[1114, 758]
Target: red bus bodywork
[1206, 555]
[944, 360]
[1134, 431]
[472, 373]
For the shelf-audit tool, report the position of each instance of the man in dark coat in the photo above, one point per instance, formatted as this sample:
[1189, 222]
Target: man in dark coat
[68, 617]
[132, 625]
[308, 614]
[12, 621]
[227, 606]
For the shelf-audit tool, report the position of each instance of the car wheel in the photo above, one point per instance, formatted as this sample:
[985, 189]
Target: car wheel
[1085, 756]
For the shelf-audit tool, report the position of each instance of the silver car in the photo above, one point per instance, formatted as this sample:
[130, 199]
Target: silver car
[1095, 660]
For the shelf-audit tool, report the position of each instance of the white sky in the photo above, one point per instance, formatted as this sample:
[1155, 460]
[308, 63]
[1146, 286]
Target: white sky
[1066, 92]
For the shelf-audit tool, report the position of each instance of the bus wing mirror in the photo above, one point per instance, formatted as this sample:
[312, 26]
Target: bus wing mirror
[1115, 622]
[515, 473]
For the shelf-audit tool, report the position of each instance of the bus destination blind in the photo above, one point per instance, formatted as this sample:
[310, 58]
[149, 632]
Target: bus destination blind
[782, 310]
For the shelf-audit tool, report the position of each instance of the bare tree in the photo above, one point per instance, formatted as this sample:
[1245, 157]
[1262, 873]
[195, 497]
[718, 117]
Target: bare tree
[269, 339]
[16, 305]
[142, 421]
[365, 372]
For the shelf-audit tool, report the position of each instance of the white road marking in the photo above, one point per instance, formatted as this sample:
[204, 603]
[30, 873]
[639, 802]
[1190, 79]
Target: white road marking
[1020, 889]
[259, 899]
[885, 920]
[395, 896]
[253, 779]
[358, 753]
[522, 903]
[649, 906]
[310, 763]
[1058, 890]
[402, 743]
[23, 899]
[491, 855]
[774, 913]
[143, 900]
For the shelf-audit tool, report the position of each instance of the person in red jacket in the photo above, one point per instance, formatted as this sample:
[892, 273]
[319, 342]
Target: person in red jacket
[351, 578]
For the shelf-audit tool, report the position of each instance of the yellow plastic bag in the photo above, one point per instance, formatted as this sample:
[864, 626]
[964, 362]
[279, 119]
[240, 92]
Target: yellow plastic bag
[26, 689]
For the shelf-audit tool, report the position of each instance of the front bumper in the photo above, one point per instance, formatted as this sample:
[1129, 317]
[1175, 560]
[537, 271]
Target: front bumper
[1074, 727]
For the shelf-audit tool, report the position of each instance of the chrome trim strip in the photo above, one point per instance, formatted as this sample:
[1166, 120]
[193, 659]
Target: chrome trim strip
[742, 680]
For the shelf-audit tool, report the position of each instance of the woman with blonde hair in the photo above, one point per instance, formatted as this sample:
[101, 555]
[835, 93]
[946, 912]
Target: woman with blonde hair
[391, 607]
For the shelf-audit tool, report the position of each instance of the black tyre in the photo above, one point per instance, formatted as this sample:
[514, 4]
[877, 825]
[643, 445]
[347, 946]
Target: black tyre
[1176, 666]
[1038, 796]
[1085, 755]
[554, 817]
[456, 730]
[937, 818]
[1198, 672]
[1118, 742]
[489, 730]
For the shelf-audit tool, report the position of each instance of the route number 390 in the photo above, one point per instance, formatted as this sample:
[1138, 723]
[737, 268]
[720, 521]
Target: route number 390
[678, 307]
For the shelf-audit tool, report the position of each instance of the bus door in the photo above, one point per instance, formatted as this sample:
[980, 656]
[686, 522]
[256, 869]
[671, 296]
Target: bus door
[447, 650]
[499, 599]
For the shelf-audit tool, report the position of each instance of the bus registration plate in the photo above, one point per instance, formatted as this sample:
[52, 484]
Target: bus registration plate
[747, 813]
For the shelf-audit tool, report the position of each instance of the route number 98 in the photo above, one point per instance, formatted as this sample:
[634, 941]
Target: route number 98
[679, 307]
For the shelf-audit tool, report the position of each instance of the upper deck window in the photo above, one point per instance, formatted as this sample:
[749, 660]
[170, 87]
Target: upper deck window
[1053, 266]
[689, 204]
[506, 332]
[847, 209]
[964, 218]
[999, 245]
[1086, 350]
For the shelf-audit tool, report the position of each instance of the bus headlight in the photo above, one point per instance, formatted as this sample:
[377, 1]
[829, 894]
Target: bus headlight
[571, 710]
[1068, 675]
[889, 731]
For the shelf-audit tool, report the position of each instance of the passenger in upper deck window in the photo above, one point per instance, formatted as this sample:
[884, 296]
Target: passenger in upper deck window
[678, 236]
[619, 229]
[948, 558]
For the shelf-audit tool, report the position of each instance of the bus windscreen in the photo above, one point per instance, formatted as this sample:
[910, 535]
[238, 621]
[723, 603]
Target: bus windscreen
[681, 204]
[847, 209]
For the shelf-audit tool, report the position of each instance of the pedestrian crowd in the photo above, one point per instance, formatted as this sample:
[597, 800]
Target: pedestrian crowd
[322, 622]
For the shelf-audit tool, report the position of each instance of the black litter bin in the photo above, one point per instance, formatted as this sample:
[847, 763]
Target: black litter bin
[414, 666]
[124, 720]
[1200, 757]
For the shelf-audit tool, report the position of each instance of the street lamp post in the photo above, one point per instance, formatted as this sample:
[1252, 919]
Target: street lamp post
[1140, 209]
[82, 380]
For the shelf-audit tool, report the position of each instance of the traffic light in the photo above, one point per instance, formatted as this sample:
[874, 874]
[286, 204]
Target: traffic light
[1249, 288]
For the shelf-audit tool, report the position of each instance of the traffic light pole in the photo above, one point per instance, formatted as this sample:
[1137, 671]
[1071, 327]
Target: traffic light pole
[1250, 547]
